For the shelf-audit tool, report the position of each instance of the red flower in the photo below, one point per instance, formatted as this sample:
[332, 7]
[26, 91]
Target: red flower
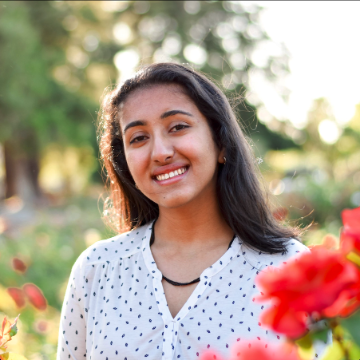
[18, 265]
[309, 284]
[35, 296]
[350, 236]
[347, 302]
[280, 213]
[256, 350]
[284, 320]
[17, 295]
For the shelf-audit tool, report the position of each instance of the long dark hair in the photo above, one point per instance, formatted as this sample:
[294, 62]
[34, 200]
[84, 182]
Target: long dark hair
[242, 199]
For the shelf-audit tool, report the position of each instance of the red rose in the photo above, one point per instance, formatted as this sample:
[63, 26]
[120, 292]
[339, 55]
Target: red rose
[282, 319]
[18, 265]
[347, 302]
[258, 350]
[17, 295]
[308, 284]
[35, 296]
[350, 236]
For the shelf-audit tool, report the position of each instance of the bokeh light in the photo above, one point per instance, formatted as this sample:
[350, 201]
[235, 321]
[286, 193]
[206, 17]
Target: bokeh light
[195, 54]
[329, 131]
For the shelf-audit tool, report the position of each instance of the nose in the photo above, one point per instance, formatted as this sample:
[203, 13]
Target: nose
[162, 149]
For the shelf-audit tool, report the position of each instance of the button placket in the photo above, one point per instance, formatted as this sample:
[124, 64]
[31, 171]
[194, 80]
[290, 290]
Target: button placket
[175, 334]
[168, 338]
[171, 325]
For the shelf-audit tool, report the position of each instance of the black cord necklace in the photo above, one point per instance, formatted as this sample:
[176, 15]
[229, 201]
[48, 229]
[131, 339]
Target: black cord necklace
[175, 283]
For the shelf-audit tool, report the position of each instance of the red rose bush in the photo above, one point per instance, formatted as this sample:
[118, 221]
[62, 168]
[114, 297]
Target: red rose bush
[322, 284]
[249, 350]
[315, 285]
[350, 235]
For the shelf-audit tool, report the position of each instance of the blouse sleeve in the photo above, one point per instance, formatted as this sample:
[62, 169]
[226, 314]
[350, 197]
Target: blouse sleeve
[72, 332]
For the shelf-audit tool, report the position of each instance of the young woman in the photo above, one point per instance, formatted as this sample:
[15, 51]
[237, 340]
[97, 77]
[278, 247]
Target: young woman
[184, 185]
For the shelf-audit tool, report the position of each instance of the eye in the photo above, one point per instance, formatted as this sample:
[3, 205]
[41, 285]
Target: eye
[179, 127]
[138, 139]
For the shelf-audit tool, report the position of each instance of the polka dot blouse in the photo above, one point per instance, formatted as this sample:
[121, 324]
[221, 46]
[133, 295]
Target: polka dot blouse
[115, 307]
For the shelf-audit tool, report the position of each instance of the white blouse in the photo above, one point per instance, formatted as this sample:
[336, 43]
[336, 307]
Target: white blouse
[115, 306]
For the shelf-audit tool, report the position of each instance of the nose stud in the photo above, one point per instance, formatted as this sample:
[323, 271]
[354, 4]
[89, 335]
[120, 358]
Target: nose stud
[224, 160]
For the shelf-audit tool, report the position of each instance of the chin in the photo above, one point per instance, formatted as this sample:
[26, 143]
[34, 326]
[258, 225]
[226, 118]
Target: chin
[173, 201]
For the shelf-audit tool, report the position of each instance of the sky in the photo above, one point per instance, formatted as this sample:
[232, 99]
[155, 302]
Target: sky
[323, 39]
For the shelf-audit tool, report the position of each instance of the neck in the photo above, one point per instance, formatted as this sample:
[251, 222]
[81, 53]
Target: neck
[189, 228]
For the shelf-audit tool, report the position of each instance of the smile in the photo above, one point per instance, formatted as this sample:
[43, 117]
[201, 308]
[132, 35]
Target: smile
[171, 174]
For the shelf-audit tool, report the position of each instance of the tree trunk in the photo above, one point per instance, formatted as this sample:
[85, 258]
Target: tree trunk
[22, 171]
[10, 171]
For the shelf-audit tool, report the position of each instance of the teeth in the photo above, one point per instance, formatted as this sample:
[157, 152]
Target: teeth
[171, 174]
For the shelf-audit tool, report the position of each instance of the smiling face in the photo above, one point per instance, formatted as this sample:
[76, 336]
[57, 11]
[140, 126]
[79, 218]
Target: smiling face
[169, 147]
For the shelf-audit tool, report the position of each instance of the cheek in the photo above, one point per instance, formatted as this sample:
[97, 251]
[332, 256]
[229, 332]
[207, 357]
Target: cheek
[137, 161]
[201, 149]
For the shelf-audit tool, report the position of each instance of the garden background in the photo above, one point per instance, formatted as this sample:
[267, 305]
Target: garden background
[56, 58]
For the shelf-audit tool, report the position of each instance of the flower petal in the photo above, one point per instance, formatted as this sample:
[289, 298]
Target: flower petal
[35, 296]
[261, 351]
[18, 265]
[285, 321]
[17, 295]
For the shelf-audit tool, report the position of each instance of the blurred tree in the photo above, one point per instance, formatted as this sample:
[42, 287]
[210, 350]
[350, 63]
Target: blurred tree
[322, 177]
[61, 53]
[220, 38]
[35, 109]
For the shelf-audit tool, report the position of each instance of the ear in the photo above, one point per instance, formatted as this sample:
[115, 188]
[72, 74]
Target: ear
[221, 157]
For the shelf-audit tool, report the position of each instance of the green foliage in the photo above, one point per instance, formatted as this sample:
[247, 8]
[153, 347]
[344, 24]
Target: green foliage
[321, 335]
[351, 324]
[33, 104]
[60, 234]
[49, 245]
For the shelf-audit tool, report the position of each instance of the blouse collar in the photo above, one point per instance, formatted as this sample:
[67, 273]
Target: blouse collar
[225, 259]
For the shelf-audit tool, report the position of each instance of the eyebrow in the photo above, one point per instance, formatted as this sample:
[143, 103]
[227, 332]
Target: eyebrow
[173, 112]
[133, 124]
[162, 116]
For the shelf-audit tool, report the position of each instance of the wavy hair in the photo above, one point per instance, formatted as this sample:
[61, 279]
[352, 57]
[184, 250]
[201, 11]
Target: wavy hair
[242, 199]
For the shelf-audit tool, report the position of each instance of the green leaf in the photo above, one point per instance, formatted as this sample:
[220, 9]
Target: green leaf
[354, 351]
[321, 335]
[352, 325]
[13, 330]
[305, 342]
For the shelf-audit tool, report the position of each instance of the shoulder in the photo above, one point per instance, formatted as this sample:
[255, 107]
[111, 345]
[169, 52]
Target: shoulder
[261, 260]
[116, 248]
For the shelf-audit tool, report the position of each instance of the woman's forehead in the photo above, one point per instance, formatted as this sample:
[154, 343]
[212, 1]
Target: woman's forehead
[154, 98]
[149, 91]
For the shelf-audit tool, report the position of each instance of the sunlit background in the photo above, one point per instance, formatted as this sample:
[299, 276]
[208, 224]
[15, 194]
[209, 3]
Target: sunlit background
[290, 69]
